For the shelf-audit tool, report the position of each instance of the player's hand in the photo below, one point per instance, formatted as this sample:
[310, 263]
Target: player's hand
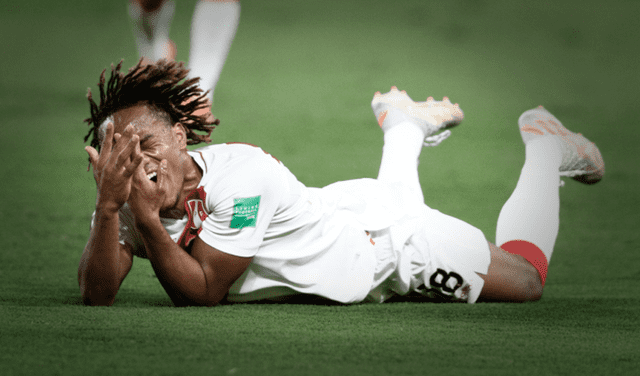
[146, 198]
[114, 166]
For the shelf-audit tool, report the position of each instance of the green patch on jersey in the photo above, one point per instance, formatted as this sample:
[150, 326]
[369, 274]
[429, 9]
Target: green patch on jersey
[245, 212]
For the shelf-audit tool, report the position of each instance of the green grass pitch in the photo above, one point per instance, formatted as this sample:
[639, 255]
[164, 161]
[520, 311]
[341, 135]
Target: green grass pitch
[298, 82]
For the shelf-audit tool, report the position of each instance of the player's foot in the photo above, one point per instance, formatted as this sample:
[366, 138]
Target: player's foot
[432, 116]
[581, 159]
[168, 52]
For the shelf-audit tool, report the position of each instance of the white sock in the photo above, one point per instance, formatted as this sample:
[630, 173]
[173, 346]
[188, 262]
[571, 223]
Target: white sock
[213, 28]
[532, 212]
[151, 29]
[399, 165]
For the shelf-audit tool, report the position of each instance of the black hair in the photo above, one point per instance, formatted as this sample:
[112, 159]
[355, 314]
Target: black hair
[164, 87]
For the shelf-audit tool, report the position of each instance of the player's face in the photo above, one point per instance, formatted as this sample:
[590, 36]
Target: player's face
[158, 141]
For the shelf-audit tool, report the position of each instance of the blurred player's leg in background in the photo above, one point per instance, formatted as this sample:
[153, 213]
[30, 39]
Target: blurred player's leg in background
[213, 28]
[151, 20]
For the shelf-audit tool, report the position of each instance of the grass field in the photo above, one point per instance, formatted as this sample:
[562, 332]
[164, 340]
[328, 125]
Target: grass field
[298, 82]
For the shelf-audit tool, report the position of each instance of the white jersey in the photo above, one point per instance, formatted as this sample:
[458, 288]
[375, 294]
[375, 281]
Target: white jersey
[302, 240]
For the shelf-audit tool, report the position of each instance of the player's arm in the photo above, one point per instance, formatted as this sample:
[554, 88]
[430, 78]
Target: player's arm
[105, 262]
[202, 278]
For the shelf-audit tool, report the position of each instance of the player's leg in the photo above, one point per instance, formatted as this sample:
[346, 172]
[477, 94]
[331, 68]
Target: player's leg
[151, 20]
[150, 5]
[510, 278]
[406, 125]
[529, 221]
[213, 28]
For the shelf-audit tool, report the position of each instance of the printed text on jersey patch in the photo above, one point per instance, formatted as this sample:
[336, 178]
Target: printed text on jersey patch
[245, 212]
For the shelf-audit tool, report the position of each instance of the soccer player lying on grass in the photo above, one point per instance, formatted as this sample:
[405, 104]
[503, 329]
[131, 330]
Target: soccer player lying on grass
[230, 222]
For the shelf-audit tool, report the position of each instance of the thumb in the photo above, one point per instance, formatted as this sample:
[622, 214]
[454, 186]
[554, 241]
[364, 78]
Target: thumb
[93, 154]
[139, 175]
[93, 159]
[162, 172]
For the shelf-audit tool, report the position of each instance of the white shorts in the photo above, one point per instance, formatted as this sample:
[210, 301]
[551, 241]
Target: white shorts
[434, 255]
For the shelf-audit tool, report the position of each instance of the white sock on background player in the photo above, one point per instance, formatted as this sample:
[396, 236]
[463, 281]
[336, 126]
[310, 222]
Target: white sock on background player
[151, 30]
[213, 28]
[530, 217]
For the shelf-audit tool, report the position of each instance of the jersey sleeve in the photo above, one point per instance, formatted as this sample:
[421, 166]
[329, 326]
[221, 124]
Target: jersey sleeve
[242, 204]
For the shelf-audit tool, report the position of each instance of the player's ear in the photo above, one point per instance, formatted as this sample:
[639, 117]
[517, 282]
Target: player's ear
[180, 134]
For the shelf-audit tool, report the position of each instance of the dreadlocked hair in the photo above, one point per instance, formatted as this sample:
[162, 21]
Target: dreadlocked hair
[161, 85]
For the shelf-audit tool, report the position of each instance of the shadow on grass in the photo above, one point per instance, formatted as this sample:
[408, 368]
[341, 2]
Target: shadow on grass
[130, 300]
[568, 311]
[71, 297]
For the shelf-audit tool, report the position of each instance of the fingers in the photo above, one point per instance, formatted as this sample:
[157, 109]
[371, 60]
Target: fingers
[122, 140]
[162, 173]
[143, 187]
[139, 176]
[93, 158]
[128, 151]
[93, 155]
[120, 153]
[136, 160]
[125, 144]
[107, 142]
[110, 137]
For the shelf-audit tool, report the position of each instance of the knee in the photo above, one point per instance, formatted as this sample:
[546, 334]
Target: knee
[533, 286]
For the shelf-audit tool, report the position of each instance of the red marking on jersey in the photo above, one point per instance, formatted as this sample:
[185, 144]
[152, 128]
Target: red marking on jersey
[194, 204]
[531, 253]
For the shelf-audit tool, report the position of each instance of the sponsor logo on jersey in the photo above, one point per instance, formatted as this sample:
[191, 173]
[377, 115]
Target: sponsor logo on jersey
[245, 212]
